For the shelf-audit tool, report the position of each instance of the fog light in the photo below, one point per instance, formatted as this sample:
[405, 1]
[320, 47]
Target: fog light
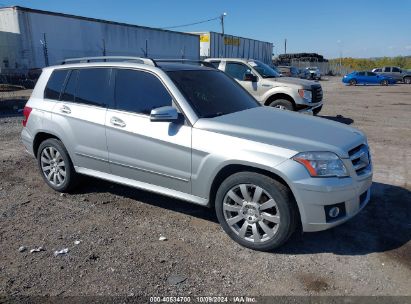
[334, 212]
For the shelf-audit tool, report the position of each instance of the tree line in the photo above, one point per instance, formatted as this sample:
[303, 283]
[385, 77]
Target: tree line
[359, 64]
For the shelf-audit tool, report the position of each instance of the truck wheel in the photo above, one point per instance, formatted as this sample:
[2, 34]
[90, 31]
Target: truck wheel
[256, 211]
[384, 82]
[353, 82]
[282, 104]
[407, 80]
[55, 165]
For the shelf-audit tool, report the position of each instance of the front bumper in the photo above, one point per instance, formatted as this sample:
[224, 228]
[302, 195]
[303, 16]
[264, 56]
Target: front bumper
[310, 109]
[315, 196]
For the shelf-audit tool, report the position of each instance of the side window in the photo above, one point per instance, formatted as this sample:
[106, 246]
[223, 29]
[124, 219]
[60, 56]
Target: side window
[361, 74]
[387, 69]
[139, 92]
[371, 74]
[236, 70]
[396, 70]
[69, 93]
[378, 70]
[93, 86]
[55, 84]
[215, 63]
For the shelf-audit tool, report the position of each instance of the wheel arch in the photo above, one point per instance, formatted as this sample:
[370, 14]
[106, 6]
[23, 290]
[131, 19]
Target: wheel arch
[39, 138]
[276, 96]
[231, 169]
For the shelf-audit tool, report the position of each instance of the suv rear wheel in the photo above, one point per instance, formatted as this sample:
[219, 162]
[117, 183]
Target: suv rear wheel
[282, 104]
[55, 165]
[407, 80]
[256, 211]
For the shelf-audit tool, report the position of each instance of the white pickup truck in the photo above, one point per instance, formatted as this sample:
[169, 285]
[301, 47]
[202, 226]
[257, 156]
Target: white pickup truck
[269, 88]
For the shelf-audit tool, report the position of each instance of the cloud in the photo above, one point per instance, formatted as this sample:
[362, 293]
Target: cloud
[407, 47]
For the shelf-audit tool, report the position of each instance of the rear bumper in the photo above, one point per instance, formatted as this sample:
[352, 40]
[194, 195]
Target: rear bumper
[27, 140]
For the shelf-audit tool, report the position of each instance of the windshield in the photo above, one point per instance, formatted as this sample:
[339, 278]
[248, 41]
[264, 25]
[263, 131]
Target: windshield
[212, 93]
[264, 70]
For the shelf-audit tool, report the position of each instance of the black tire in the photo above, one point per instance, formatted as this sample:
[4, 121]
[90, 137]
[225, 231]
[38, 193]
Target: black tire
[317, 110]
[71, 177]
[353, 82]
[285, 204]
[283, 104]
[407, 80]
[384, 82]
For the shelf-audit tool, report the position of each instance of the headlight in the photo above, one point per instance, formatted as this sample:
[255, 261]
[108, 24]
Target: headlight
[305, 94]
[322, 164]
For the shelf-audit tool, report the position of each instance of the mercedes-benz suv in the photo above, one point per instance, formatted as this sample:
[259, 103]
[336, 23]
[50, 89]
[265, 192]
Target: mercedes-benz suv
[193, 133]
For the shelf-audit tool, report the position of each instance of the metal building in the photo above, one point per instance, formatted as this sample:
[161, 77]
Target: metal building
[32, 39]
[218, 45]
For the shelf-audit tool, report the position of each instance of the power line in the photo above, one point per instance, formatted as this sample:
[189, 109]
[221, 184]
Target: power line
[189, 24]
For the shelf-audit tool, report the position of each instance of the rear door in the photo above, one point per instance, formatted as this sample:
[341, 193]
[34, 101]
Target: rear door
[373, 78]
[80, 117]
[396, 73]
[156, 153]
[362, 77]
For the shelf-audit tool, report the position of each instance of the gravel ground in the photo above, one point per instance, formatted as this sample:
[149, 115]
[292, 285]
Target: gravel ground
[118, 228]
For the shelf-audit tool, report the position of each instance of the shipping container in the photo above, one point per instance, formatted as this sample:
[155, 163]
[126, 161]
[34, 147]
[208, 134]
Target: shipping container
[32, 39]
[218, 45]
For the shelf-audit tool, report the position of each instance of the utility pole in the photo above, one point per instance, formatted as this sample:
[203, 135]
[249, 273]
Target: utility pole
[285, 46]
[222, 22]
[104, 47]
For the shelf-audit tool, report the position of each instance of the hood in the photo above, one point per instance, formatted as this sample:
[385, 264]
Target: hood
[296, 81]
[286, 129]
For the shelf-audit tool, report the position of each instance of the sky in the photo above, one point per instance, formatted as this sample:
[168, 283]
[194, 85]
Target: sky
[361, 28]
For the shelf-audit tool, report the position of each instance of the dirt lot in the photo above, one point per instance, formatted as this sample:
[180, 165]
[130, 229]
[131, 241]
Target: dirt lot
[119, 228]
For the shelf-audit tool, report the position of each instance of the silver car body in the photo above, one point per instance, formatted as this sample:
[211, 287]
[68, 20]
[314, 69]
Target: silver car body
[265, 89]
[394, 72]
[183, 161]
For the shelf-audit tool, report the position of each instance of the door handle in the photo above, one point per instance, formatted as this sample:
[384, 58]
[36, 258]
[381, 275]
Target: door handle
[117, 122]
[65, 109]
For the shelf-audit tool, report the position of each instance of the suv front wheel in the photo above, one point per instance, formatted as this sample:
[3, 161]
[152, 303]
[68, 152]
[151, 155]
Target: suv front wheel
[256, 211]
[55, 165]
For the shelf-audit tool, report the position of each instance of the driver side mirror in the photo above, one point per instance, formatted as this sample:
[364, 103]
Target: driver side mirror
[167, 114]
[250, 77]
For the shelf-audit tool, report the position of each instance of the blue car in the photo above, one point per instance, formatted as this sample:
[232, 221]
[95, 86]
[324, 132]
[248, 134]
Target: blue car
[367, 78]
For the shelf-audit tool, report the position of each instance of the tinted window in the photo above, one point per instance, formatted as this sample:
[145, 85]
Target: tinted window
[55, 84]
[93, 86]
[70, 89]
[371, 74]
[397, 70]
[378, 70]
[237, 70]
[215, 63]
[140, 92]
[387, 69]
[212, 93]
[361, 74]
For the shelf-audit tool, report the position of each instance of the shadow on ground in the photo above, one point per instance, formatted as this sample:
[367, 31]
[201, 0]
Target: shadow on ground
[383, 225]
[339, 118]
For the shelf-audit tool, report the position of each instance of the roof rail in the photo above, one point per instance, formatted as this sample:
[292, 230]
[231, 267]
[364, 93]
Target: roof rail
[204, 63]
[147, 61]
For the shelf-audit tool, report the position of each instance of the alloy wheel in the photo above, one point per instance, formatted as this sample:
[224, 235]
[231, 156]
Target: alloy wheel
[53, 166]
[251, 213]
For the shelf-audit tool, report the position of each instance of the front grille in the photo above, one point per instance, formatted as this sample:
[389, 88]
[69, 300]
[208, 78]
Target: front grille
[360, 158]
[317, 93]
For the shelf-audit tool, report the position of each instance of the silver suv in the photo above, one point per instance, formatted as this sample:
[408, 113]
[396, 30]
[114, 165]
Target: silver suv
[192, 133]
[269, 88]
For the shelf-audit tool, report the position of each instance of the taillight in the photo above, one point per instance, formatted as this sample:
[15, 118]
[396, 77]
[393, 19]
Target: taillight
[26, 114]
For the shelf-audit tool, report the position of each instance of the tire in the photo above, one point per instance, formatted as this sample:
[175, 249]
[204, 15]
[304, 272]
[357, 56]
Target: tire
[384, 82]
[282, 104]
[256, 229]
[353, 82]
[407, 80]
[56, 169]
[317, 110]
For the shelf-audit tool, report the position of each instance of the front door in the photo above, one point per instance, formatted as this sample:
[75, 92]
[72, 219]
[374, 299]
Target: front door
[238, 70]
[157, 153]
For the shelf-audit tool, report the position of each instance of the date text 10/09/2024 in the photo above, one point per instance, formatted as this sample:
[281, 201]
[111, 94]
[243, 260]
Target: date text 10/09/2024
[239, 299]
